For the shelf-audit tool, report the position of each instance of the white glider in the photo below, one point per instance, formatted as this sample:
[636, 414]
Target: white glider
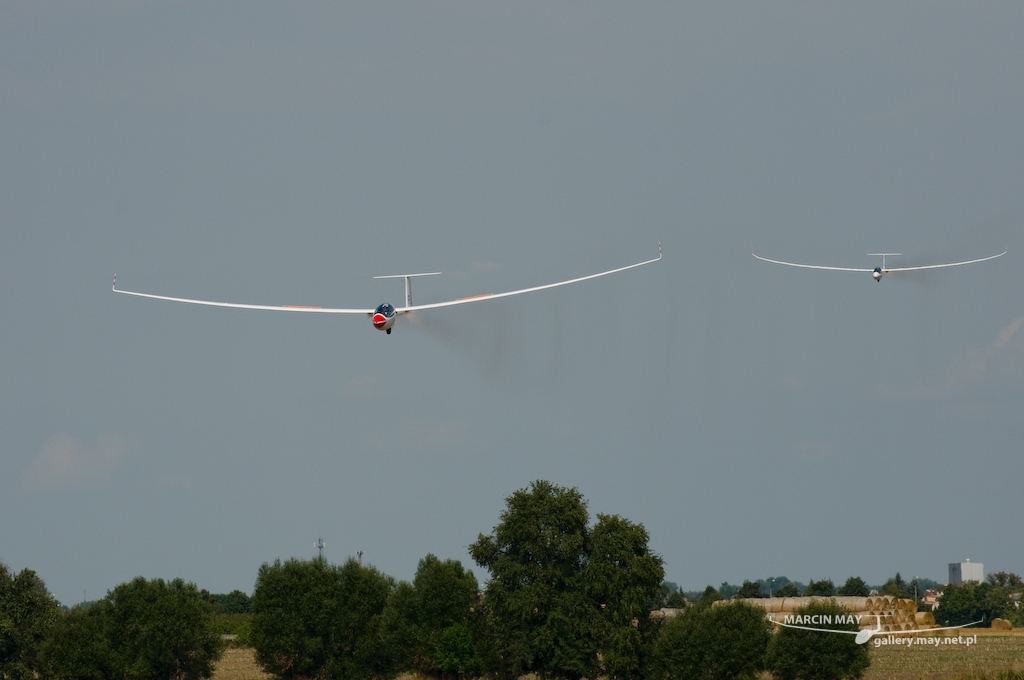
[877, 272]
[384, 315]
[867, 633]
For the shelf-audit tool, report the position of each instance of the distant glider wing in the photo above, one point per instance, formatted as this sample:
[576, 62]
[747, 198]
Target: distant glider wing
[209, 303]
[495, 296]
[813, 266]
[938, 266]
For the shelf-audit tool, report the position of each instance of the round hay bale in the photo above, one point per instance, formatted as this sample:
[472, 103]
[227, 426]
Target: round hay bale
[1001, 624]
[924, 619]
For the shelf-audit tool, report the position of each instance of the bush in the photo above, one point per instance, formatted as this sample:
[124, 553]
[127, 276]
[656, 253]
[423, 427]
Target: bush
[813, 655]
[155, 630]
[712, 642]
[314, 619]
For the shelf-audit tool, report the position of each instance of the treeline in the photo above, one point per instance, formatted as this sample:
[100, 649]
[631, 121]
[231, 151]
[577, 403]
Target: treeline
[780, 586]
[998, 597]
[565, 598]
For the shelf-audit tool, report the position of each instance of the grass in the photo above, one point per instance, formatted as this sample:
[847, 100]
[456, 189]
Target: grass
[239, 663]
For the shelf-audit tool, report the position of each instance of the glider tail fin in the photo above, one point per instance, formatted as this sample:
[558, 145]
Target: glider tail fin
[408, 283]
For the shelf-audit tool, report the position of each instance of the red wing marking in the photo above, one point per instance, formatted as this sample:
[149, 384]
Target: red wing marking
[474, 297]
[300, 307]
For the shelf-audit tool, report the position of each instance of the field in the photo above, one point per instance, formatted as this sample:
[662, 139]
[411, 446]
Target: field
[993, 653]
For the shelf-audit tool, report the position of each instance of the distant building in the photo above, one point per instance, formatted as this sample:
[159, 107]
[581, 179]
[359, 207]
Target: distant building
[962, 572]
[931, 598]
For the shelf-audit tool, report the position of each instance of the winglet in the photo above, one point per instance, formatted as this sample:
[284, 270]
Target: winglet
[659, 250]
[113, 286]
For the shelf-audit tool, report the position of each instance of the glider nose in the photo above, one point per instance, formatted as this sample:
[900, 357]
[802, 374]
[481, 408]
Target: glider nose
[877, 274]
[379, 321]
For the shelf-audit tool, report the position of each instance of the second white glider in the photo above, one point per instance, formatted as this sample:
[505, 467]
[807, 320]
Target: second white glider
[384, 315]
[877, 272]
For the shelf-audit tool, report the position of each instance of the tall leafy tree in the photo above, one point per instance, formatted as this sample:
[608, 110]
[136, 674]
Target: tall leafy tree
[622, 575]
[27, 614]
[550, 576]
[544, 622]
[712, 643]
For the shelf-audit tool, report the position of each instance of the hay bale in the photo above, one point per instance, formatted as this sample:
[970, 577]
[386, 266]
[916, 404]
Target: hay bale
[1001, 624]
[924, 619]
[854, 604]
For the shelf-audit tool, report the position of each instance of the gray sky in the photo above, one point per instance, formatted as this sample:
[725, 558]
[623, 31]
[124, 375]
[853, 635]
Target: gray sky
[758, 420]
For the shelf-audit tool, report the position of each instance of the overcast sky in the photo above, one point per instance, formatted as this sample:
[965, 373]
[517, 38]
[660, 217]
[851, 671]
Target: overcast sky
[758, 420]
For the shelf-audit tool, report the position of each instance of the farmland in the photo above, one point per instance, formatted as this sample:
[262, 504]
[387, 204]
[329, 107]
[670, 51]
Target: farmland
[993, 654]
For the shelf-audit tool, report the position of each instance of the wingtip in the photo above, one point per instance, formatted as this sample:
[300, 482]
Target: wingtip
[113, 286]
[659, 250]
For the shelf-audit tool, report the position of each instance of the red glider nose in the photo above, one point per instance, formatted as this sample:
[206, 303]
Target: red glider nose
[379, 320]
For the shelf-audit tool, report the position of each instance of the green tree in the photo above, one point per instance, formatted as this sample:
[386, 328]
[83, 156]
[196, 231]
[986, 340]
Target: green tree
[456, 651]
[153, 630]
[709, 595]
[854, 587]
[550, 576]
[811, 655]
[621, 576]
[822, 588]
[972, 602]
[429, 618]
[788, 590]
[750, 589]
[727, 590]
[314, 619]
[80, 645]
[1002, 578]
[896, 587]
[27, 614]
[712, 643]
[535, 556]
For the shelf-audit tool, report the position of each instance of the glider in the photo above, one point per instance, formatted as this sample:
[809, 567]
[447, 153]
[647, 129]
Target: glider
[877, 272]
[867, 633]
[384, 315]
